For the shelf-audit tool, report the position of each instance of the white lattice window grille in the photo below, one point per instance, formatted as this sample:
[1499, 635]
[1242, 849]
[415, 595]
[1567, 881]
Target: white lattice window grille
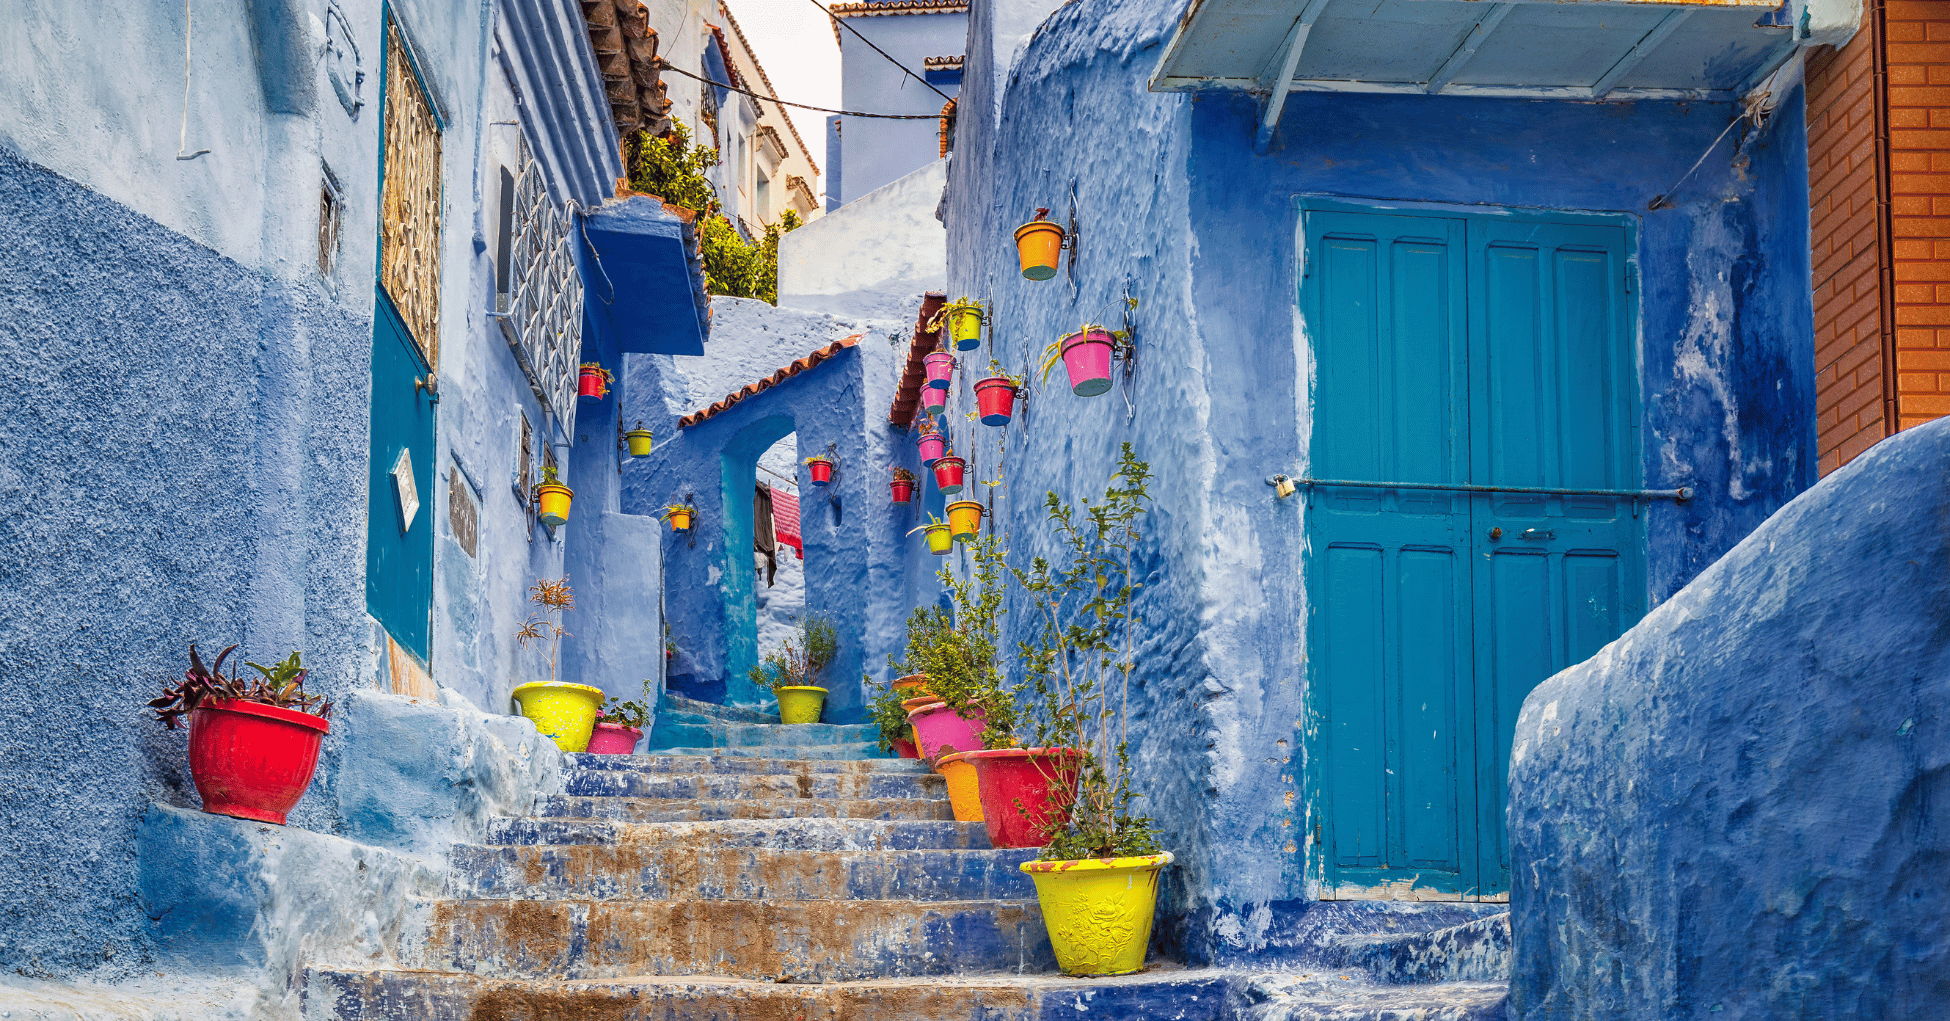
[409, 208]
[544, 316]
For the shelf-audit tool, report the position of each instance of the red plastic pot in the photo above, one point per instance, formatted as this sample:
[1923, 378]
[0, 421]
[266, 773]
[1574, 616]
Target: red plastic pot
[905, 749]
[253, 761]
[995, 399]
[1008, 776]
[613, 739]
[903, 490]
[592, 384]
[1086, 357]
[932, 445]
[822, 472]
[948, 473]
[941, 369]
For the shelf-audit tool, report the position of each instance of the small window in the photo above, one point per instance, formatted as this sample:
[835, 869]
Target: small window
[764, 194]
[524, 458]
[331, 216]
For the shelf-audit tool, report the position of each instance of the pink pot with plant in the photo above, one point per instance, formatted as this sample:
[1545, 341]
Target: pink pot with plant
[941, 730]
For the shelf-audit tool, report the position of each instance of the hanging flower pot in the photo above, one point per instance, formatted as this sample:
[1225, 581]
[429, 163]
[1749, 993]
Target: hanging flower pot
[1041, 781]
[995, 399]
[592, 382]
[1098, 910]
[932, 446]
[934, 400]
[965, 324]
[613, 739]
[679, 517]
[639, 440]
[552, 498]
[941, 369]
[941, 730]
[964, 519]
[564, 713]
[1038, 244]
[948, 473]
[253, 761]
[902, 485]
[1086, 357]
[821, 469]
[940, 540]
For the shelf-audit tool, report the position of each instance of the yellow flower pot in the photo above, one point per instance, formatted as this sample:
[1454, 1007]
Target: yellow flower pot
[940, 540]
[1038, 244]
[799, 703]
[554, 498]
[1098, 910]
[564, 713]
[680, 521]
[640, 442]
[965, 326]
[964, 795]
[964, 519]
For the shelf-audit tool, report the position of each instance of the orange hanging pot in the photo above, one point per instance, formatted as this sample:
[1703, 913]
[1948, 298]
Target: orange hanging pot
[1039, 243]
[964, 519]
[553, 498]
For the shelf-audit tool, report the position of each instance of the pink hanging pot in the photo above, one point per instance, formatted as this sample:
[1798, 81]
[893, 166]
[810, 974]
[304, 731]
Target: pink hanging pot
[941, 369]
[1086, 357]
[932, 445]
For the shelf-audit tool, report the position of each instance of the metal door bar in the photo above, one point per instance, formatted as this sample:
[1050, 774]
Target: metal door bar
[1681, 494]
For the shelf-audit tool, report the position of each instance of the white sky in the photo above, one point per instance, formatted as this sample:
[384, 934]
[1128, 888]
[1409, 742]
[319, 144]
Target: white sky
[794, 40]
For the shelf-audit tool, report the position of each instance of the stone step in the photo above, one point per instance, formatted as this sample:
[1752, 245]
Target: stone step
[1159, 993]
[644, 810]
[707, 761]
[846, 752]
[596, 872]
[1340, 997]
[711, 710]
[769, 834]
[619, 783]
[784, 941]
[750, 735]
[1477, 951]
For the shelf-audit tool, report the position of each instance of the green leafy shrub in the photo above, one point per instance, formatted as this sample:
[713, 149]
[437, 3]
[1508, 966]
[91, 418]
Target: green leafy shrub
[673, 169]
[957, 649]
[888, 714]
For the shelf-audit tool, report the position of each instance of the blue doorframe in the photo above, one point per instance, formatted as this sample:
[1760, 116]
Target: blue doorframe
[1466, 346]
[739, 477]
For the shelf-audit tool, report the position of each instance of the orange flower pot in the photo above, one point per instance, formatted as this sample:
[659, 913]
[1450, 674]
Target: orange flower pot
[964, 519]
[554, 498]
[1038, 244]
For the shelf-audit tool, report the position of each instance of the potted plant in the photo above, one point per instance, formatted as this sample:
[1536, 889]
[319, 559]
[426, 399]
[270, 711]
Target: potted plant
[902, 485]
[619, 727]
[941, 369]
[964, 320]
[940, 540]
[791, 672]
[253, 742]
[564, 713]
[678, 515]
[1097, 876]
[592, 382]
[931, 441]
[890, 719]
[821, 468]
[964, 519]
[1086, 356]
[1038, 244]
[948, 473]
[995, 395]
[640, 440]
[553, 498]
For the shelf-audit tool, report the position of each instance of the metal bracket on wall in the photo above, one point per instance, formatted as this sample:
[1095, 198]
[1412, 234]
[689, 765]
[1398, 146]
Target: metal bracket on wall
[1074, 242]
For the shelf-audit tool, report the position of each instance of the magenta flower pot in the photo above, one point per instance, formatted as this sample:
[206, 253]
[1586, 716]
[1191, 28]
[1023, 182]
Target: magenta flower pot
[933, 400]
[941, 368]
[1086, 357]
[941, 731]
[613, 739]
[932, 445]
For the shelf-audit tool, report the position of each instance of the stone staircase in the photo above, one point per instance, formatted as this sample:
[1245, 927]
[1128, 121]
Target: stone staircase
[767, 873]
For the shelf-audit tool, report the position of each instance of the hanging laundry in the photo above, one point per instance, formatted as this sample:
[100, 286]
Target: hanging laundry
[785, 520]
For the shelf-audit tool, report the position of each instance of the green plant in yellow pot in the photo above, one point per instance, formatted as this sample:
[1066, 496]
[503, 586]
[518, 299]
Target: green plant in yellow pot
[801, 660]
[563, 713]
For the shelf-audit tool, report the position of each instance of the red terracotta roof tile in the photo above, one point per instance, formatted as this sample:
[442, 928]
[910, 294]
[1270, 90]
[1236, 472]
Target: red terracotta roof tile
[753, 389]
[907, 399]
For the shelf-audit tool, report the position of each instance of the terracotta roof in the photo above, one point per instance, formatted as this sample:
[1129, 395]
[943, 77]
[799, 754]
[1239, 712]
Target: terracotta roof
[754, 389]
[626, 52]
[876, 7]
[907, 399]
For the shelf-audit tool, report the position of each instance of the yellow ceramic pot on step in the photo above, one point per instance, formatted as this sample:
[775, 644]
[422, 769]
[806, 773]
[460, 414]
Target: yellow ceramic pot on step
[799, 703]
[964, 795]
[1098, 910]
[563, 713]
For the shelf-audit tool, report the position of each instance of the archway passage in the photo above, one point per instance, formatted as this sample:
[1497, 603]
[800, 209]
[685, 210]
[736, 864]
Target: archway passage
[778, 557]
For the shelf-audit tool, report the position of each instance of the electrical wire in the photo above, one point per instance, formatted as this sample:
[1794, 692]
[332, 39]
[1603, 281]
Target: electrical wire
[794, 483]
[837, 20]
[803, 106]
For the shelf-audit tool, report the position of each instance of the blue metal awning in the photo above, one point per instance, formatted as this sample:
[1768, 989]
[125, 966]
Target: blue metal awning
[643, 284]
[1547, 49]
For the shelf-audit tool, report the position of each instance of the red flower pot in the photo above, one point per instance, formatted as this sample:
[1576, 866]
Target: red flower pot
[903, 490]
[592, 384]
[948, 472]
[822, 472]
[995, 400]
[905, 749]
[253, 761]
[613, 739]
[1038, 779]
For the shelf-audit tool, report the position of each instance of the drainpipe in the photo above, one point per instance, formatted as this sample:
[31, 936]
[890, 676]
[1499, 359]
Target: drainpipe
[1885, 221]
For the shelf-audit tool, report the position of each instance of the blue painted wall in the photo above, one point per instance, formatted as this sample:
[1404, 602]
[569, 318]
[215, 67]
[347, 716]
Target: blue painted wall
[879, 151]
[1737, 810]
[1175, 208]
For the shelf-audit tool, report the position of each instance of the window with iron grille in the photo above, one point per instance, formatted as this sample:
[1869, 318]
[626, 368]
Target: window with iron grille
[543, 320]
[409, 205]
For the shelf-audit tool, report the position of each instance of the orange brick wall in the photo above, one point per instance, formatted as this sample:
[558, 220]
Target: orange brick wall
[1918, 38]
[1846, 256]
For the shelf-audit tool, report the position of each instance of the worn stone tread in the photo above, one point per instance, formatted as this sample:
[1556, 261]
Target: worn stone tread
[1349, 997]
[777, 834]
[1161, 993]
[856, 751]
[653, 810]
[673, 761]
[808, 941]
[632, 872]
[615, 783]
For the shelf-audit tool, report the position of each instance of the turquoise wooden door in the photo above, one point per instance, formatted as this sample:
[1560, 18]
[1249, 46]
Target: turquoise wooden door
[1455, 351]
[399, 509]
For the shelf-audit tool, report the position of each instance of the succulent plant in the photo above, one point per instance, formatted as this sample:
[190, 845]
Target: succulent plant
[282, 685]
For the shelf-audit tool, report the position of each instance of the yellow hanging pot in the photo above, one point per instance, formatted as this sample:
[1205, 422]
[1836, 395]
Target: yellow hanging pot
[554, 498]
[965, 325]
[1098, 910]
[940, 541]
[640, 441]
[964, 519]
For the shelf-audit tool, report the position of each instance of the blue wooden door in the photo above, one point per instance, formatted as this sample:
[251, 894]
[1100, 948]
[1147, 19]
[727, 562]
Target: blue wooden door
[399, 509]
[1430, 367]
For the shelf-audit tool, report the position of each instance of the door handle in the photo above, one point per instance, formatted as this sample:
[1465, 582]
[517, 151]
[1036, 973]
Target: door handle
[430, 384]
[1539, 533]
[1495, 534]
